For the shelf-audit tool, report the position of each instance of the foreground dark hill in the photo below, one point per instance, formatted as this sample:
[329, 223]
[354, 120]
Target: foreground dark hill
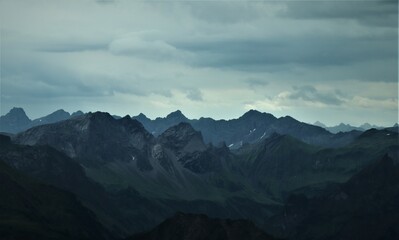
[122, 212]
[365, 207]
[282, 164]
[32, 210]
[200, 227]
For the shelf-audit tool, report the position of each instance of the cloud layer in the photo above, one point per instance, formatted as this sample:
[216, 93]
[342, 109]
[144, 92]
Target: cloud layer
[212, 58]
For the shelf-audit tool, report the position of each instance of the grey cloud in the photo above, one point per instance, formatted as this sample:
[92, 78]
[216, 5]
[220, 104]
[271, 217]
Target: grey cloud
[105, 1]
[373, 13]
[131, 51]
[255, 82]
[310, 93]
[72, 47]
[220, 12]
[138, 46]
[165, 93]
[267, 54]
[35, 78]
[194, 95]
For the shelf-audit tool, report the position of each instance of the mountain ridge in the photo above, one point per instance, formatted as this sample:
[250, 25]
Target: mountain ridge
[151, 177]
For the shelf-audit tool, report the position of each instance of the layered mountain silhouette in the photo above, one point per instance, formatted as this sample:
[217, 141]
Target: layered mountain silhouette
[16, 120]
[132, 180]
[249, 128]
[342, 127]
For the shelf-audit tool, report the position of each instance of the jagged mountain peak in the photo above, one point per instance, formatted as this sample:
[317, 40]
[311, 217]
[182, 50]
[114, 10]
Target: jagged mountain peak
[99, 116]
[14, 121]
[18, 114]
[56, 116]
[255, 114]
[252, 112]
[176, 115]
[132, 123]
[17, 111]
[77, 113]
[288, 119]
[60, 113]
[142, 116]
[181, 135]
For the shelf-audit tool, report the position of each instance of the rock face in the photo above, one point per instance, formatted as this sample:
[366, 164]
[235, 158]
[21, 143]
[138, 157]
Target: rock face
[182, 138]
[125, 150]
[94, 138]
[98, 139]
[200, 227]
[188, 147]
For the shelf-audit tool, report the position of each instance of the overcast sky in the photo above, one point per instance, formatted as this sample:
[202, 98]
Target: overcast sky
[332, 61]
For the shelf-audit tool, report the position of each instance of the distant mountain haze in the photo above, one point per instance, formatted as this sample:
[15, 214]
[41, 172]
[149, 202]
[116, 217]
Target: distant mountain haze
[342, 127]
[16, 120]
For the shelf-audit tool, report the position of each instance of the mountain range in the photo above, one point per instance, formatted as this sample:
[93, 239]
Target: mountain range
[251, 127]
[342, 127]
[132, 179]
[16, 120]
